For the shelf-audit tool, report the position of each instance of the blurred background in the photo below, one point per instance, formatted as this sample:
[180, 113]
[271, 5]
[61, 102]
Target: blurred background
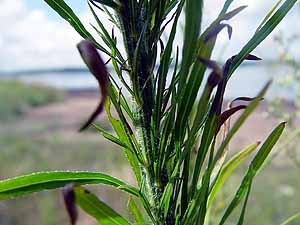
[46, 93]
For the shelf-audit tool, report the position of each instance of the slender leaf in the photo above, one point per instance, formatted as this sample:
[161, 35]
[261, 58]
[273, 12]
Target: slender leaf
[110, 137]
[228, 169]
[92, 205]
[255, 165]
[135, 211]
[36, 182]
[291, 219]
[262, 34]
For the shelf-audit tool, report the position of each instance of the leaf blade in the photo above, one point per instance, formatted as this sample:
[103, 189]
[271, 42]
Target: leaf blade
[97, 208]
[18, 186]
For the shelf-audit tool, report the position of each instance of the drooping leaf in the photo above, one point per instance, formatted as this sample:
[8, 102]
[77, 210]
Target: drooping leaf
[244, 99]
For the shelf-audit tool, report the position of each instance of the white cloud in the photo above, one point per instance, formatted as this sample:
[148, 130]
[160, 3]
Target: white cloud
[245, 24]
[29, 39]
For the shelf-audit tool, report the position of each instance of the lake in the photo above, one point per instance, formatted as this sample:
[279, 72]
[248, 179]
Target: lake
[246, 81]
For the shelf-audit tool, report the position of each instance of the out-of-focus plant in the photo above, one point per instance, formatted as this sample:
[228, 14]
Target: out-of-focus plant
[288, 108]
[179, 165]
[16, 97]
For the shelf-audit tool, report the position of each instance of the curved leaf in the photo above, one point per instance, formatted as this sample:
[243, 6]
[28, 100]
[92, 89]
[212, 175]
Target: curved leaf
[228, 169]
[292, 218]
[262, 33]
[92, 205]
[67, 14]
[135, 211]
[36, 182]
[253, 168]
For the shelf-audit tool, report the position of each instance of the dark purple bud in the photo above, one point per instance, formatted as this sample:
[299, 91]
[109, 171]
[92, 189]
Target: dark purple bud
[227, 114]
[214, 79]
[162, 46]
[210, 64]
[213, 33]
[113, 33]
[243, 99]
[97, 67]
[70, 203]
[252, 58]
[216, 75]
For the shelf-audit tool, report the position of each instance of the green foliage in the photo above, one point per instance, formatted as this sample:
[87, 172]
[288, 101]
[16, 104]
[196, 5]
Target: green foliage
[98, 209]
[155, 130]
[16, 97]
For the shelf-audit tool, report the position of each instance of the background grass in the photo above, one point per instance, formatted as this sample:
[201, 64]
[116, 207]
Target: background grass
[16, 97]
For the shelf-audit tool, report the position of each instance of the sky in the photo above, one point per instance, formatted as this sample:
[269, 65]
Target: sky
[33, 36]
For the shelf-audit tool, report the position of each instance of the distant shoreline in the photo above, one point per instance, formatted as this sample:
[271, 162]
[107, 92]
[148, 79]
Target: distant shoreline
[77, 70]
[94, 93]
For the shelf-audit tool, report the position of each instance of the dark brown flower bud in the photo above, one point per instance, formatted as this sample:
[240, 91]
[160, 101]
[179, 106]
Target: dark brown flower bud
[97, 67]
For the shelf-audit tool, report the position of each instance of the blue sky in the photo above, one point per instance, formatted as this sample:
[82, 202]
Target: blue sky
[77, 5]
[36, 37]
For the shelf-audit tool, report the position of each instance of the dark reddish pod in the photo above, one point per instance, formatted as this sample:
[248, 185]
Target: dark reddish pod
[227, 114]
[69, 199]
[97, 67]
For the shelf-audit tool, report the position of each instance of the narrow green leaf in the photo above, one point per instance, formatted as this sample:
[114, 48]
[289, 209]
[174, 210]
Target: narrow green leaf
[36, 182]
[253, 168]
[124, 137]
[226, 6]
[193, 20]
[166, 198]
[228, 169]
[243, 212]
[67, 13]
[262, 34]
[270, 13]
[110, 137]
[291, 219]
[135, 211]
[96, 208]
[164, 67]
[109, 3]
[106, 36]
